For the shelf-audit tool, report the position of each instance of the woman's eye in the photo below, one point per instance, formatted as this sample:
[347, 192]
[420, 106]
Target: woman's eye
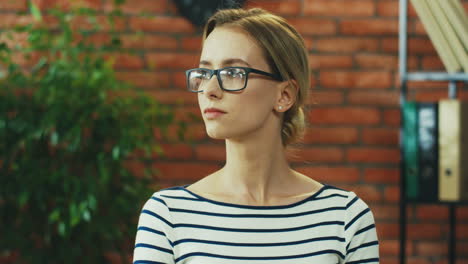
[235, 73]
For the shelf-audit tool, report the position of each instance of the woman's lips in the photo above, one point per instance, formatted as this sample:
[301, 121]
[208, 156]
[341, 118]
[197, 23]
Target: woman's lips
[212, 113]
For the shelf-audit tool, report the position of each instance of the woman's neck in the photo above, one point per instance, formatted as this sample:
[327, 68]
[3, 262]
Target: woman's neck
[258, 169]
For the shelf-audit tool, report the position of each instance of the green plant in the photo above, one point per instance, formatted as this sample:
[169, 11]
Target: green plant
[68, 127]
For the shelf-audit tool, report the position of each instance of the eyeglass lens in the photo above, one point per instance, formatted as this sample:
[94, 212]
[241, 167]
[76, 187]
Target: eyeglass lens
[231, 79]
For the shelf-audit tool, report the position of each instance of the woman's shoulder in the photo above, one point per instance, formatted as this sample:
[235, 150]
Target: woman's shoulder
[345, 198]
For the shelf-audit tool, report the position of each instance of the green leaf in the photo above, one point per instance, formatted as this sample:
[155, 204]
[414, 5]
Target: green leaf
[54, 138]
[55, 215]
[116, 152]
[35, 12]
[62, 229]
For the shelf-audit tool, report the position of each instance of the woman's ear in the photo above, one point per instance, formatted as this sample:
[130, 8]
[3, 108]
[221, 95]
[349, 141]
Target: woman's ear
[287, 95]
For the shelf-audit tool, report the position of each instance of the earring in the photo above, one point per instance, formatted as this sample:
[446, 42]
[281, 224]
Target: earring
[280, 107]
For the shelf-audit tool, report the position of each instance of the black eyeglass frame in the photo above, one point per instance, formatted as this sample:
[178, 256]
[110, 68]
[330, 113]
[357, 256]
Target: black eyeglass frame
[217, 71]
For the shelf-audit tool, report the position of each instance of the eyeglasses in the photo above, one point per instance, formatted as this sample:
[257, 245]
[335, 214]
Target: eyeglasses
[229, 78]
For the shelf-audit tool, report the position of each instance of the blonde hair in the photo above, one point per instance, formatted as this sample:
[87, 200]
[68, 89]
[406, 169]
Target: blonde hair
[284, 51]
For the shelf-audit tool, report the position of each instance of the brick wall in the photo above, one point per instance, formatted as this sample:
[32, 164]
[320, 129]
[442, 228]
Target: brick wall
[352, 137]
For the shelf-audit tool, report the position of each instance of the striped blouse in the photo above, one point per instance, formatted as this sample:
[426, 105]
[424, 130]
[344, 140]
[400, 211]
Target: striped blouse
[331, 226]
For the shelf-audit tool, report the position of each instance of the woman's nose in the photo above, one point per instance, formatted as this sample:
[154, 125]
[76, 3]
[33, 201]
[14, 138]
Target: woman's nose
[212, 89]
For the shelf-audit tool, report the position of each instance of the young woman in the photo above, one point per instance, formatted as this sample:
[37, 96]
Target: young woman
[252, 84]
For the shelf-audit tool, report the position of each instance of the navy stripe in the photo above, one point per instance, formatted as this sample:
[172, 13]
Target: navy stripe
[159, 200]
[157, 216]
[351, 202]
[331, 195]
[181, 198]
[362, 230]
[155, 232]
[198, 200]
[341, 239]
[328, 251]
[373, 243]
[143, 245]
[257, 215]
[357, 217]
[151, 230]
[257, 207]
[259, 230]
[364, 261]
[147, 262]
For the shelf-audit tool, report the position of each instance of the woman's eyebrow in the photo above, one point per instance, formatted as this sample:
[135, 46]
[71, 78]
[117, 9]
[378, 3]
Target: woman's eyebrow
[226, 62]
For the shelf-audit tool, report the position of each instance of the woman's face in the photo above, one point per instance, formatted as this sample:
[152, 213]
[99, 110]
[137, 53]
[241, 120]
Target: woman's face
[245, 111]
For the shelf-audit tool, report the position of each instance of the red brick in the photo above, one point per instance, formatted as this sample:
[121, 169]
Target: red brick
[14, 5]
[147, 41]
[172, 60]
[385, 212]
[462, 249]
[368, 193]
[389, 247]
[145, 79]
[178, 79]
[11, 20]
[196, 132]
[317, 154]
[186, 113]
[348, 79]
[416, 27]
[389, 259]
[312, 26]
[139, 7]
[462, 230]
[66, 4]
[377, 61]
[374, 98]
[20, 39]
[387, 230]
[380, 136]
[389, 44]
[325, 97]
[433, 212]
[382, 175]
[184, 170]
[430, 96]
[367, 27]
[339, 8]
[420, 46]
[462, 213]
[329, 61]
[416, 46]
[211, 152]
[344, 115]
[392, 117]
[280, 7]
[176, 151]
[124, 61]
[331, 135]
[373, 155]
[392, 193]
[174, 97]
[390, 8]
[192, 43]
[427, 84]
[83, 22]
[136, 167]
[161, 24]
[329, 174]
[424, 248]
[346, 45]
[424, 231]
[432, 63]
